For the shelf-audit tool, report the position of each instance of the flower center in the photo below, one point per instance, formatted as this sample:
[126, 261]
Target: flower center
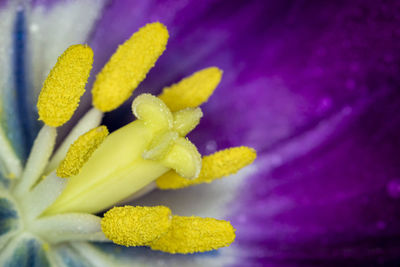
[58, 193]
[131, 158]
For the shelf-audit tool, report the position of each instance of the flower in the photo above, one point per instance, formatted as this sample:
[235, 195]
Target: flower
[45, 213]
[321, 79]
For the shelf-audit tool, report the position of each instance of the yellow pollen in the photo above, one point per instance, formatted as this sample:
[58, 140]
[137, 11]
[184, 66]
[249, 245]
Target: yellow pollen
[217, 165]
[129, 66]
[192, 91]
[135, 226]
[80, 151]
[194, 234]
[65, 85]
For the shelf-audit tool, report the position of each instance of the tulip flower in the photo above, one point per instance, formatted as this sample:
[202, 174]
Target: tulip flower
[181, 95]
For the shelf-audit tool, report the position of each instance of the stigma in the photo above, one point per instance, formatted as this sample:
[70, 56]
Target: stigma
[60, 191]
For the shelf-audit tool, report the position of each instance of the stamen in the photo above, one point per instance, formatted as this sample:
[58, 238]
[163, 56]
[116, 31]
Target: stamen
[90, 120]
[129, 66]
[186, 120]
[135, 226]
[8, 157]
[80, 151]
[193, 90]
[42, 195]
[215, 166]
[38, 158]
[65, 85]
[194, 234]
[69, 227]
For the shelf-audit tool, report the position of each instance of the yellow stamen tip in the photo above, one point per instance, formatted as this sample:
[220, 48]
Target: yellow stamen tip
[194, 234]
[129, 66]
[217, 165]
[65, 85]
[80, 151]
[227, 161]
[193, 90]
[135, 226]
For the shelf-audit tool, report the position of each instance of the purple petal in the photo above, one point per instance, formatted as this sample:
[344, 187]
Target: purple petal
[312, 85]
[336, 202]
[122, 18]
[314, 60]
[293, 64]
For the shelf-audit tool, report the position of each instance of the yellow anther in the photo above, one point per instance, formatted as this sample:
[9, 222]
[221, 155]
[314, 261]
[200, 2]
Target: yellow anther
[135, 226]
[129, 66]
[217, 165]
[186, 120]
[193, 90]
[80, 151]
[194, 234]
[65, 85]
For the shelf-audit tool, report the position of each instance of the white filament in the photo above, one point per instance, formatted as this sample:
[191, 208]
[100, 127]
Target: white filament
[42, 196]
[38, 159]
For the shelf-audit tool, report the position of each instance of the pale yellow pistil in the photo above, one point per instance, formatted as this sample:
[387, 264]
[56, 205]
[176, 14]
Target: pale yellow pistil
[129, 159]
